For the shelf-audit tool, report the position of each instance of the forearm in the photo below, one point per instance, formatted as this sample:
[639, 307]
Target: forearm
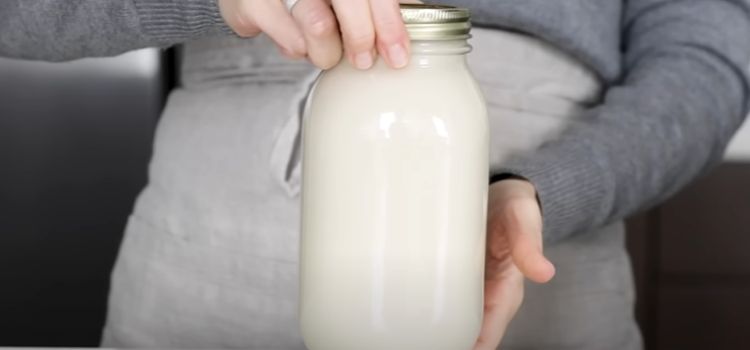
[63, 30]
[683, 95]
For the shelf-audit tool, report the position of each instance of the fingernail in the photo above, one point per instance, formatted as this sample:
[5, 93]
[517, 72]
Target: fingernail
[363, 60]
[397, 54]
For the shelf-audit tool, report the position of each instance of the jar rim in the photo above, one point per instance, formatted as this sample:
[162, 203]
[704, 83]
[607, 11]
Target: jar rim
[436, 22]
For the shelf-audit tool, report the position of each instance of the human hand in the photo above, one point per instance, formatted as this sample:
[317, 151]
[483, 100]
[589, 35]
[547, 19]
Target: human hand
[514, 250]
[324, 30]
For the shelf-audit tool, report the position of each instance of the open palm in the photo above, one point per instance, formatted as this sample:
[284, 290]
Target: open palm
[514, 250]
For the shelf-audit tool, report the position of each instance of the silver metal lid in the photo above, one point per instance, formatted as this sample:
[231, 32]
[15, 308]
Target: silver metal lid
[436, 22]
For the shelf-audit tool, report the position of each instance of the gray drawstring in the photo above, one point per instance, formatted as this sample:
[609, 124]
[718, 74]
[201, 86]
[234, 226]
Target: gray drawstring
[286, 155]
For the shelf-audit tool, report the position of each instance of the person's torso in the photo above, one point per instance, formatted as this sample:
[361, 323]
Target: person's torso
[211, 251]
[588, 30]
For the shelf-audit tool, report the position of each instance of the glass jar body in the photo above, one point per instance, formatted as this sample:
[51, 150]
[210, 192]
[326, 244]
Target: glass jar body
[395, 176]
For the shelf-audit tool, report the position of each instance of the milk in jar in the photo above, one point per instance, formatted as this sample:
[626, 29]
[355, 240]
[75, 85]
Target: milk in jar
[395, 178]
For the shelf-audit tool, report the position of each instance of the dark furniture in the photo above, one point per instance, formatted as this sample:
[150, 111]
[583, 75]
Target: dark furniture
[692, 265]
[75, 139]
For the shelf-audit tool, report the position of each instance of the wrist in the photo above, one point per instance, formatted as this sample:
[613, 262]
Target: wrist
[520, 183]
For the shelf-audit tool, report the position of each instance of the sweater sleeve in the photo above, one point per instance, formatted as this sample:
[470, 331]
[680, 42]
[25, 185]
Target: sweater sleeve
[683, 93]
[57, 30]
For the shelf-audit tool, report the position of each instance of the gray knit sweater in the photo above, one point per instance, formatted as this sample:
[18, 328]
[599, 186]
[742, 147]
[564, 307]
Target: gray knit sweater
[675, 69]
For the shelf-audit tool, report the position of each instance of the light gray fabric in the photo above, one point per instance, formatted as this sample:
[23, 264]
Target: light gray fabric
[589, 304]
[589, 30]
[209, 257]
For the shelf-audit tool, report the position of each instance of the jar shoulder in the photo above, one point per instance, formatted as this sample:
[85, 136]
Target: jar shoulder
[412, 90]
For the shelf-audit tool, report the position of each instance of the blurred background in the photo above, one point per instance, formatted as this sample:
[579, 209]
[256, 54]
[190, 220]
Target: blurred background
[75, 139]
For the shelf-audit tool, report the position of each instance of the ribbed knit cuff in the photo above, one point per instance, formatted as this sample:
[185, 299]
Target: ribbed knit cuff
[174, 21]
[574, 192]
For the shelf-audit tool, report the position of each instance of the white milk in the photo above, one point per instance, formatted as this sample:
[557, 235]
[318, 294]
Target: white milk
[395, 178]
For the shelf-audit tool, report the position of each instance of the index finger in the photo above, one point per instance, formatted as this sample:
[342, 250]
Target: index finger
[526, 240]
[391, 36]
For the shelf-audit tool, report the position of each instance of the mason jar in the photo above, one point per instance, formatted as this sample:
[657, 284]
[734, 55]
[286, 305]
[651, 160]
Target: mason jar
[395, 178]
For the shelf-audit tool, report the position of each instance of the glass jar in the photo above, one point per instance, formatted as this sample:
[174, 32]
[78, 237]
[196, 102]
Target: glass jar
[395, 178]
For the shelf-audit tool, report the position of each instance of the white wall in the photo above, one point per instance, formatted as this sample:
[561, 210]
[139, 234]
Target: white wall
[739, 148]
